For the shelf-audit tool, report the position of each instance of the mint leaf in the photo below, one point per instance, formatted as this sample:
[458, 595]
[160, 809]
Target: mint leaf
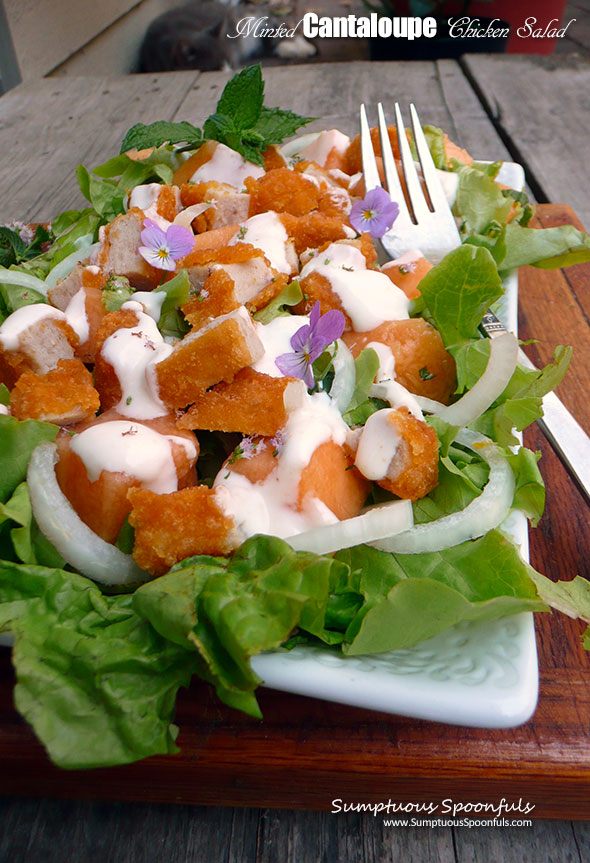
[275, 124]
[242, 97]
[141, 136]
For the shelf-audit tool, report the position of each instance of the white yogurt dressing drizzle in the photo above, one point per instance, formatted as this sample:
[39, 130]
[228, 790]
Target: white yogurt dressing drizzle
[227, 166]
[377, 445]
[319, 150]
[276, 340]
[133, 352]
[146, 198]
[77, 318]
[270, 505]
[368, 297]
[128, 447]
[266, 232]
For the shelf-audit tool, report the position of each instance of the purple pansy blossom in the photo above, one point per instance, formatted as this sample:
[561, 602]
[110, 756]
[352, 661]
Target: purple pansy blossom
[309, 342]
[376, 213]
[161, 248]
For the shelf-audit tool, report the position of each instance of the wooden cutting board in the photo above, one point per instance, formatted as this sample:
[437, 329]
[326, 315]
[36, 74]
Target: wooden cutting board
[306, 753]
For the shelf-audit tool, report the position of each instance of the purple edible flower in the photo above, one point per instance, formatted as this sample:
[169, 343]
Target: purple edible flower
[309, 342]
[161, 248]
[376, 213]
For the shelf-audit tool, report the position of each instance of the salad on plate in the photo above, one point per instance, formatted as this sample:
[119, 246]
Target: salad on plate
[227, 428]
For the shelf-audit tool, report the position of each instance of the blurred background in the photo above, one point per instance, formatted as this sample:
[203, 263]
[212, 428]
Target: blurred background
[59, 37]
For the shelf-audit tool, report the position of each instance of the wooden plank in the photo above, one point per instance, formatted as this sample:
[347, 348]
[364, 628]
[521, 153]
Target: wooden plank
[541, 105]
[71, 26]
[48, 127]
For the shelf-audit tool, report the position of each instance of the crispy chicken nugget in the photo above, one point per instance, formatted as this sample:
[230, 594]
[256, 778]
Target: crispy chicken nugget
[413, 471]
[312, 230]
[119, 251]
[63, 396]
[40, 347]
[422, 364]
[170, 527]
[253, 404]
[207, 356]
[407, 272]
[283, 191]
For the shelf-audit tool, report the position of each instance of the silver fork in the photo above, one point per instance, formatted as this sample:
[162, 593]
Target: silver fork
[433, 230]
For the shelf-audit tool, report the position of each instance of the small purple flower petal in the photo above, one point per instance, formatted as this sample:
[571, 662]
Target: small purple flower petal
[314, 315]
[296, 366]
[180, 241]
[376, 213]
[300, 339]
[330, 326]
[154, 257]
[152, 234]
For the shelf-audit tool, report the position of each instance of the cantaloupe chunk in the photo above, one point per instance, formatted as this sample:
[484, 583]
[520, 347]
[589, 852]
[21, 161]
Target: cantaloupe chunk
[422, 364]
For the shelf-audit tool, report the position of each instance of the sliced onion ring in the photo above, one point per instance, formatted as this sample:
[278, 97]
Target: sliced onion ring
[344, 382]
[483, 514]
[75, 541]
[22, 280]
[499, 370]
[186, 216]
[376, 522]
[65, 267]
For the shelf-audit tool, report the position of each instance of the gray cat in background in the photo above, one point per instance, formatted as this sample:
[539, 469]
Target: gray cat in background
[195, 36]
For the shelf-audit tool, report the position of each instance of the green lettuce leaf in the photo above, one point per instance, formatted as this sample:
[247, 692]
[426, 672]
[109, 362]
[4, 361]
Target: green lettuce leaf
[291, 295]
[458, 291]
[94, 679]
[18, 439]
[479, 201]
[548, 248]
[430, 592]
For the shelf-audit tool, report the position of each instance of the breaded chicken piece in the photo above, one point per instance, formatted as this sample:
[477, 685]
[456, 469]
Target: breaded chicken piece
[229, 206]
[283, 191]
[407, 271]
[253, 404]
[407, 461]
[422, 364]
[40, 348]
[63, 396]
[207, 356]
[170, 527]
[119, 251]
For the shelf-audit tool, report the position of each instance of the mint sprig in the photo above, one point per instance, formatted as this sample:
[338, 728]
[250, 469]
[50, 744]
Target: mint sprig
[240, 121]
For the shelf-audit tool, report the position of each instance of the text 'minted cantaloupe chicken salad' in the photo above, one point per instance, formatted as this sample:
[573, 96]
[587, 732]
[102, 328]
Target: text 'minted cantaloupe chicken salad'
[209, 378]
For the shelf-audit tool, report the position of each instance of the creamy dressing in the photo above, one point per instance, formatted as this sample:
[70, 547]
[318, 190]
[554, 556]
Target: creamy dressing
[319, 150]
[4, 410]
[133, 352]
[273, 502]
[146, 198]
[368, 297]
[152, 302]
[386, 361]
[227, 166]
[377, 445]
[267, 232]
[77, 318]
[397, 396]
[20, 320]
[276, 340]
[128, 447]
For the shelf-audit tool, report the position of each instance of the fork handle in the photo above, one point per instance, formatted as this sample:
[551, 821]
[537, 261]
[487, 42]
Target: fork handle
[491, 326]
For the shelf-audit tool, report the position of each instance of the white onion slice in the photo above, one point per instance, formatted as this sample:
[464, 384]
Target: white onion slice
[23, 280]
[483, 514]
[65, 267]
[185, 217]
[376, 522]
[499, 370]
[344, 382]
[75, 541]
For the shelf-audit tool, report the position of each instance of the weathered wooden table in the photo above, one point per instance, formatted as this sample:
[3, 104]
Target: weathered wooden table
[526, 109]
